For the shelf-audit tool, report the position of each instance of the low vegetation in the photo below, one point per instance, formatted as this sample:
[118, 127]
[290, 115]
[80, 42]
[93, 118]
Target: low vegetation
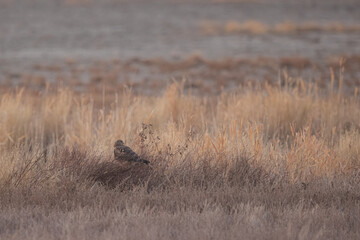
[286, 27]
[280, 162]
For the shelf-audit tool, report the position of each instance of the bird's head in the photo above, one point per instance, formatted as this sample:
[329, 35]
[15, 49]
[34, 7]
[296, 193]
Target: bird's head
[119, 143]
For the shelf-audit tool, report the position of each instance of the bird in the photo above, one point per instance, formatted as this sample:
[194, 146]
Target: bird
[124, 153]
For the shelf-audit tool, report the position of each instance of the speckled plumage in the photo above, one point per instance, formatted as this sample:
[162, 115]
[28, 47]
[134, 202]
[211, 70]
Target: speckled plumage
[124, 153]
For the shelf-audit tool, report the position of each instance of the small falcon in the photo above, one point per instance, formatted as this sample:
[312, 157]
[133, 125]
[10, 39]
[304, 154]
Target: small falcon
[124, 153]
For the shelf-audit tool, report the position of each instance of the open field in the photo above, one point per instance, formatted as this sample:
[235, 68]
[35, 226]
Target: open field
[203, 76]
[47, 30]
[248, 111]
[256, 27]
[260, 163]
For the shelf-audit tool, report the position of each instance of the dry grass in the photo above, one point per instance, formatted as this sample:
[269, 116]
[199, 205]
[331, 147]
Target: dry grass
[286, 27]
[278, 162]
[152, 76]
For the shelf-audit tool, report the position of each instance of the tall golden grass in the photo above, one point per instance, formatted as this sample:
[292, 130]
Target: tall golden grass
[260, 163]
[295, 131]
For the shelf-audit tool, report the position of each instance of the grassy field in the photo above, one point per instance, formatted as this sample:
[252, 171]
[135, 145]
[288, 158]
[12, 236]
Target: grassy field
[264, 162]
[248, 111]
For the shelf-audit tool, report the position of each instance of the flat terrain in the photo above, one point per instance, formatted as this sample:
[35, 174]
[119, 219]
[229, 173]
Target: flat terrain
[248, 112]
[148, 29]
[40, 38]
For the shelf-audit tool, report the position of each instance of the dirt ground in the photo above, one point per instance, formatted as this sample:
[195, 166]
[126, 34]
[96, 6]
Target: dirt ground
[138, 42]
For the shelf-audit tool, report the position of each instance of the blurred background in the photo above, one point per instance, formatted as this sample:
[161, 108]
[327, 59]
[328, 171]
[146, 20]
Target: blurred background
[215, 45]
